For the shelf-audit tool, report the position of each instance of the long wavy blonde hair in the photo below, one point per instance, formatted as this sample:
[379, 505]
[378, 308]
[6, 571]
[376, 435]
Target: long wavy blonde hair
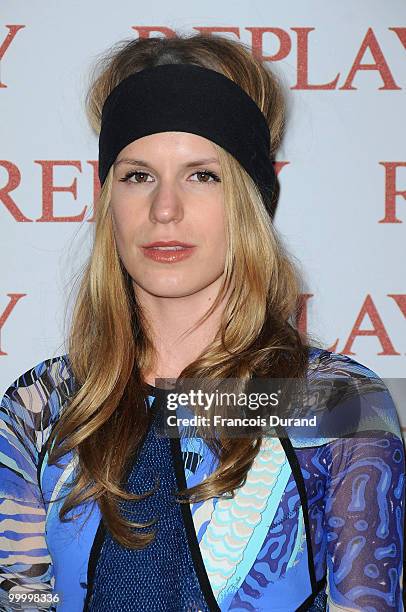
[109, 344]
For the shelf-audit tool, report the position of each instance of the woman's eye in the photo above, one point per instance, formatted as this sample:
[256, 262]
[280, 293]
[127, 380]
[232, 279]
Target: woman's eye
[137, 174]
[207, 175]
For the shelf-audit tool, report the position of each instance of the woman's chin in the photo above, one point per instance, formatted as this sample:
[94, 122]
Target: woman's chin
[170, 288]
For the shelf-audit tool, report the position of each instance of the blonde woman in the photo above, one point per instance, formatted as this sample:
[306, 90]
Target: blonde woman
[187, 279]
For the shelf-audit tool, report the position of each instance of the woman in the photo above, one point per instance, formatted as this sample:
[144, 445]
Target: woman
[187, 279]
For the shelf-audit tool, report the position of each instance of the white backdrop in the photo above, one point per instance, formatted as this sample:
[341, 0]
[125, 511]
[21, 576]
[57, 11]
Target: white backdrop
[342, 210]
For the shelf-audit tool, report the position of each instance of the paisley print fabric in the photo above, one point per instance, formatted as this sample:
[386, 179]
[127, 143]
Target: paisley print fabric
[318, 524]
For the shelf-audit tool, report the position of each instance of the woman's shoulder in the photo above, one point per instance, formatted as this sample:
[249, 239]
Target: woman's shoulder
[39, 393]
[329, 363]
[348, 383]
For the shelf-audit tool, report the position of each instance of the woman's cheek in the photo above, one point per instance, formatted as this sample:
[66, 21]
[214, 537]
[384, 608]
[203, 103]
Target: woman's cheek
[123, 222]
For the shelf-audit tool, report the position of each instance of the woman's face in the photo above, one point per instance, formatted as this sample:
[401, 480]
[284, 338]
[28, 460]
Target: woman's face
[167, 188]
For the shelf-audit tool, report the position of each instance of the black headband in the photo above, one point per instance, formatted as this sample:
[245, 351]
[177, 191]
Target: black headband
[187, 98]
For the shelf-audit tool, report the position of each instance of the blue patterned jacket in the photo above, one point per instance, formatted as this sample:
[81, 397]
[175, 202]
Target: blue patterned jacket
[317, 525]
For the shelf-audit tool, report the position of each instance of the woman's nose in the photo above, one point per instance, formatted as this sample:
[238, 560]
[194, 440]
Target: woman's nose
[166, 204]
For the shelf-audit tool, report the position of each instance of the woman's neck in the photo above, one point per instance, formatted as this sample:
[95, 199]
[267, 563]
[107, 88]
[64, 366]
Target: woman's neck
[169, 321]
[174, 351]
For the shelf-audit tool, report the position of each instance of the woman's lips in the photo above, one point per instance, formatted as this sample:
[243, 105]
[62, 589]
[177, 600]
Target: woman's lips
[167, 255]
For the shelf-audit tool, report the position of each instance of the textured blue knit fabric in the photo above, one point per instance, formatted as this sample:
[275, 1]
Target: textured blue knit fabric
[161, 577]
[320, 603]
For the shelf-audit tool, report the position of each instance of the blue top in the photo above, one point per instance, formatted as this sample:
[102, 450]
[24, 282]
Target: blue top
[317, 525]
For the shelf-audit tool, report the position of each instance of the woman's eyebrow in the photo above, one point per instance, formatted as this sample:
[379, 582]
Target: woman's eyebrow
[140, 162]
